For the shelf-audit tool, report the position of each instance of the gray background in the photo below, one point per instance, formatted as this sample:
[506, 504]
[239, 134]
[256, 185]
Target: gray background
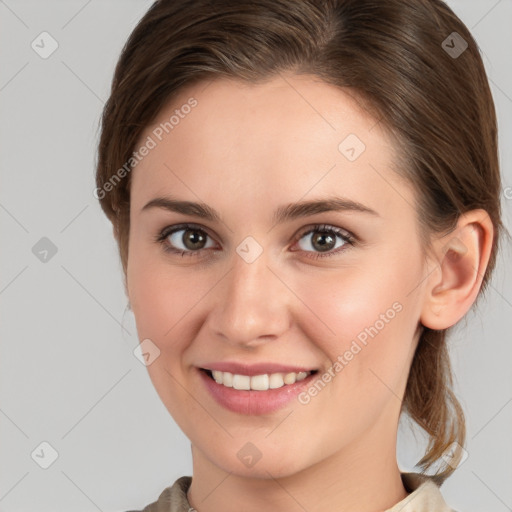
[68, 375]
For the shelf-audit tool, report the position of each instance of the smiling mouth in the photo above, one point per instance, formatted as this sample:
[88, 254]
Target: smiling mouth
[262, 382]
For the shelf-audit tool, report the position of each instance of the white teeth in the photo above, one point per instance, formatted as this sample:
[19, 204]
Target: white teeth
[257, 382]
[227, 379]
[289, 378]
[241, 382]
[276, 381]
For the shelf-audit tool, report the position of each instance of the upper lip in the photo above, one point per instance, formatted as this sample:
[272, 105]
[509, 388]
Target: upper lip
[255, 369]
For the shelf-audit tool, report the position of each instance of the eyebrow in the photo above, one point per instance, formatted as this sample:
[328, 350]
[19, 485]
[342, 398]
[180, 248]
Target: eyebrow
[282, 214]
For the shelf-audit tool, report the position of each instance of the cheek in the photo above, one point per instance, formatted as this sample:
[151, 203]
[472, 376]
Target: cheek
[365, 318]
[167, 303]
[158, 299]
[161, 300]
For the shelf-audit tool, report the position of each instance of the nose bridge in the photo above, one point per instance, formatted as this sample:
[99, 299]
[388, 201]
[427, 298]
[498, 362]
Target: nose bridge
[253, 303]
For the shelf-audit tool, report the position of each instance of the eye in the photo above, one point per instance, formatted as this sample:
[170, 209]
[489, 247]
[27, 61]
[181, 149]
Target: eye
[324, 240]
[185, 239]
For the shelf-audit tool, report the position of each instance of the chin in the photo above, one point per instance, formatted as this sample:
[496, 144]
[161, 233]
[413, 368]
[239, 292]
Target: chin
[272, 466]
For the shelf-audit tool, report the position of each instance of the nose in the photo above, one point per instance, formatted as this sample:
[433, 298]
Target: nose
[252, 304]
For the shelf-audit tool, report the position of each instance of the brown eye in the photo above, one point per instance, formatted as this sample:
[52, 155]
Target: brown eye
[188, 240]
[193, 239]
[324, 239]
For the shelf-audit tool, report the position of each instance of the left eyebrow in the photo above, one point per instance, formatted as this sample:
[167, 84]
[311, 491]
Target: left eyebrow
[306, 208]
[282, 214]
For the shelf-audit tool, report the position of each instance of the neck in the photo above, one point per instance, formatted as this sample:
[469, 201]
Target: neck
[364, 476]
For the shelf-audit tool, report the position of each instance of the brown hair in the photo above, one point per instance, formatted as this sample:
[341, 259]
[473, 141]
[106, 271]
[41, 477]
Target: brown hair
[398, 57]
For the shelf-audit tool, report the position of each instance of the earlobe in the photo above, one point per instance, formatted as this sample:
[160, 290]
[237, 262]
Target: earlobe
[462, 257]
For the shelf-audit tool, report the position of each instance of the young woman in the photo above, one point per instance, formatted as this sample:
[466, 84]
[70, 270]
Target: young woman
[305, 195]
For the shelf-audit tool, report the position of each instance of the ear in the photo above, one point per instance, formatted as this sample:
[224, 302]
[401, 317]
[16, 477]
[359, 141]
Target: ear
[460, 260]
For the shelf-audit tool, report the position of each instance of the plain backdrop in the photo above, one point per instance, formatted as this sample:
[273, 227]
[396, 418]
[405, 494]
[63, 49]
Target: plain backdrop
[68, 374]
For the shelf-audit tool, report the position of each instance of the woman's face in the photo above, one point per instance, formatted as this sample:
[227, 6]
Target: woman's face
[260, 285]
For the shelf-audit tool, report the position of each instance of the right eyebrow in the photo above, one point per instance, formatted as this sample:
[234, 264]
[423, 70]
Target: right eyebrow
[185, 207]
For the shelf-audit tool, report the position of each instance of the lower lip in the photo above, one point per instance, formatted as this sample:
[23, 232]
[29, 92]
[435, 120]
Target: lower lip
[253, 402]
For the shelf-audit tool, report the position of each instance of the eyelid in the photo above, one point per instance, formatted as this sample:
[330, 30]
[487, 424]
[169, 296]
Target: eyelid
[169, 230]
[321, 227]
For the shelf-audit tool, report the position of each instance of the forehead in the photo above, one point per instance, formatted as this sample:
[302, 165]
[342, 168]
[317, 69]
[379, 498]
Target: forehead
[287, 109]
[292, 134]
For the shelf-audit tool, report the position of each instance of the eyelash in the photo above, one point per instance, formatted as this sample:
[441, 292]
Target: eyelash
[348, 238]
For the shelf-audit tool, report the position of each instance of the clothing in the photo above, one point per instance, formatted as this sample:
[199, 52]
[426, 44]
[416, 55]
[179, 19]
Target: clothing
[424, 496]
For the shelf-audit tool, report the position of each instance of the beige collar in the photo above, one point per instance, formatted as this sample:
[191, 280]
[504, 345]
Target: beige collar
[424, 496]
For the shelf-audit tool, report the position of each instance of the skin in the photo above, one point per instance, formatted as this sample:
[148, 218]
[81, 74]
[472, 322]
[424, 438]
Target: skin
[245, 150]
